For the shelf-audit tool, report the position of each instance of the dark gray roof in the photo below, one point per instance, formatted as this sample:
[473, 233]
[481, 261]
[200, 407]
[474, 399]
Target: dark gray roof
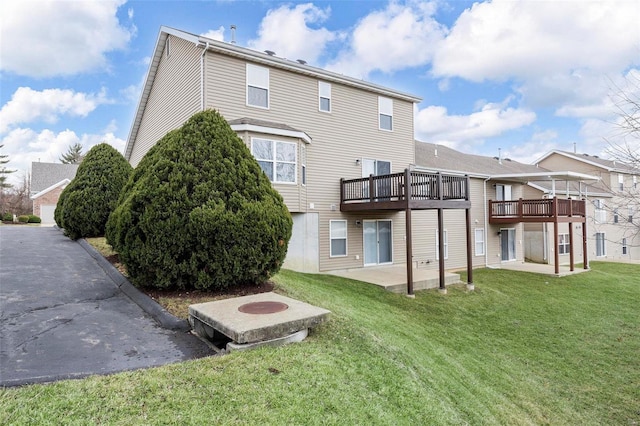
[44, 175]
[440, 157]
[262, 123]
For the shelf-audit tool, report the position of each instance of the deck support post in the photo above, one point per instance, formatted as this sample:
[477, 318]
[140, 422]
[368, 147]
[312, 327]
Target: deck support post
[441, 248]
[469, 258]
[585, 261]
[407, 212]
[571, 258]
[556, 257]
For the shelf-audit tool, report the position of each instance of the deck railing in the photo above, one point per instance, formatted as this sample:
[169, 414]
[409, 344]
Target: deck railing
[536, 208]
[392, 187]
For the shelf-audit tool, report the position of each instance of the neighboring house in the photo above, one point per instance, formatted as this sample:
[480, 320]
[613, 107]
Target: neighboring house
[512, 203]
[613, 210]
[47, 182]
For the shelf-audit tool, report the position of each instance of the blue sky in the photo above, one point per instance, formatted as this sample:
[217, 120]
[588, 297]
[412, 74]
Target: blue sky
[523, 76]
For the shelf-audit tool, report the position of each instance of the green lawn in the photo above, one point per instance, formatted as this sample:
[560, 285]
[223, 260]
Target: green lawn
[521, 349]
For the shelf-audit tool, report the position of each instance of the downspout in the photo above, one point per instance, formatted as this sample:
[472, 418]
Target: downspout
[204, 52]
[486, 223]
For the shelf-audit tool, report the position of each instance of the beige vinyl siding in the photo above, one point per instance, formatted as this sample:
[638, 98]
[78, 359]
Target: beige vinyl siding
[174, 97]
[425, 224]
[561, 162]
[348, 133]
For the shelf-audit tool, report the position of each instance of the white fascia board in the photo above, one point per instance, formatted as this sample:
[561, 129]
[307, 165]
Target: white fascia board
[542, 176]
[452, 172]
[271, 131]
[51, 188]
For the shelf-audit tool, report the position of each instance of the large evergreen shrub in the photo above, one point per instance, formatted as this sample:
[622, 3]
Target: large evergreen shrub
[85, 204]
[198, 212]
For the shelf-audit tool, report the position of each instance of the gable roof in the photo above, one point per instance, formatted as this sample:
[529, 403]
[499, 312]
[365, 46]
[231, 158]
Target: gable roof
[249, 55]
[439, 157]
[45, 175]
[63, 183]
[594, 160]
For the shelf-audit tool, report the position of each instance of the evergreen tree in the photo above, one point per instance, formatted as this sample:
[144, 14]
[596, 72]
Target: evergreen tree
[198, 212]
[73, 155]
[4, 159]
[85, 204]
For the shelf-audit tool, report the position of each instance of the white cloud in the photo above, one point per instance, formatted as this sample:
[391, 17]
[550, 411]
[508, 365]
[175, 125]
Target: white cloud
[215, 34]
[399, 37]
[504, 39]
[286, 31]
[28, 105]
[540, 143]
[434, 124]
[50, 38]
[24, 146]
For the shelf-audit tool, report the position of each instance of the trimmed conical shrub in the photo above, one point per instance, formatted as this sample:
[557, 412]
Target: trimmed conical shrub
[86, 203]
[198, 212]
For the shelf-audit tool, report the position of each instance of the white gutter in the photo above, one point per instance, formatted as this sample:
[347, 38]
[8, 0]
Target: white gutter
[204, 52]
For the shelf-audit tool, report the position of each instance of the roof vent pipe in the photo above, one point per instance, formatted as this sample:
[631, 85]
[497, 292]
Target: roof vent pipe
[499, 155]
[233, 34]
[575, 148]
[435, 152]
[270, 52]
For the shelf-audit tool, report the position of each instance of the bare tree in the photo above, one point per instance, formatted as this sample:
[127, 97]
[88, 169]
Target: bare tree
[624, 145]
[16, 199]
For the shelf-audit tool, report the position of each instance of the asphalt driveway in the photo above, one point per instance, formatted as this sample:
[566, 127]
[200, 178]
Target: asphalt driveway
[62, 316]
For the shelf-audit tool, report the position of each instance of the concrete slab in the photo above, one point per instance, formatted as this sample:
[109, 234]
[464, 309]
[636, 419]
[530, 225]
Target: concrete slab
[225, 317]
[538, 268]
[394, 277]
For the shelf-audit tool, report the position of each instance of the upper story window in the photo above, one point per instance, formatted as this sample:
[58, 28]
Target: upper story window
[635, 181]
[620, 181]
[277, 159]
[385, 113]
[257, 86]
[616, 216]
[324, 96]
[631, 212]
[600, 213]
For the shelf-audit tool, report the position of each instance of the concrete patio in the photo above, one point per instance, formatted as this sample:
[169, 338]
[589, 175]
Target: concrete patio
[539, 268]
[394, 277]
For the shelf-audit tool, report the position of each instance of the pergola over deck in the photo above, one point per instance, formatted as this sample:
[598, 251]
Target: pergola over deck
[412, 190]
[548, 210]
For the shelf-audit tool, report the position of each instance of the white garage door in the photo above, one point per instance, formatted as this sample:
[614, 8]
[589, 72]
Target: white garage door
[46, 214]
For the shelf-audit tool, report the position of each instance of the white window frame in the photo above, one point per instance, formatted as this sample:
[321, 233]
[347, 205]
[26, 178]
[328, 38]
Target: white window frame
[479, 232]
[274, 162]
[620, 182]
[385, 108]
[564, 247]
[303, 165]
[324, 92]
[446, 244]
[600, 212]
[632, 212]
[625, 248]
[616, 216]
[345, 238]
[635, 181]
[254, 79]
[604, 244]
[504, 192]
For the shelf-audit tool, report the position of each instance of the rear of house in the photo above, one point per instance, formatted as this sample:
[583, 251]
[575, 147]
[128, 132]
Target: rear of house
[307, 127]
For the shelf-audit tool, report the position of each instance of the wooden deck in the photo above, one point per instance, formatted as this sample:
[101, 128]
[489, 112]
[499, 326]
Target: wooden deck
[540, 210]
[389, 192]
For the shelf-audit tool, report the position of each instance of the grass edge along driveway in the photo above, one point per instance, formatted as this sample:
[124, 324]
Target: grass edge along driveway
[521, 349]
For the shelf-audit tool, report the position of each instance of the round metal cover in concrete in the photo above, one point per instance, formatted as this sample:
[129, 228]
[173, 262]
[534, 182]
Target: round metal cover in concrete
[262, 308]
